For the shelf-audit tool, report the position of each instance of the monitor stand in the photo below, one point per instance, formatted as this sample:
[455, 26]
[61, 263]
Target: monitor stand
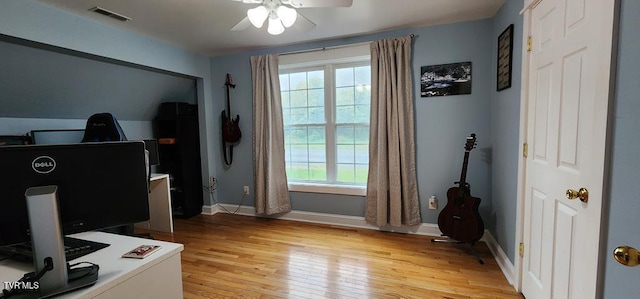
[48, 247]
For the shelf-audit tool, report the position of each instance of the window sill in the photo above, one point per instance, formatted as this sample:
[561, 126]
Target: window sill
[328, 189]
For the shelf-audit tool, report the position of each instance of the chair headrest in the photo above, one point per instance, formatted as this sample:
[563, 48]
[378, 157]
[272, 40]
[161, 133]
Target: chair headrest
[103, 127]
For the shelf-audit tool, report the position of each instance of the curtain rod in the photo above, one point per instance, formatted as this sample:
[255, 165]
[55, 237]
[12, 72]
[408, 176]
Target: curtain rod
[331, 48]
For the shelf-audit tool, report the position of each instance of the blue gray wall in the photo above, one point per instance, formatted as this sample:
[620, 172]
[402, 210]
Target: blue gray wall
[41, 23]
[624, 205]
[505, 123]
[45, 83]
[442, 123]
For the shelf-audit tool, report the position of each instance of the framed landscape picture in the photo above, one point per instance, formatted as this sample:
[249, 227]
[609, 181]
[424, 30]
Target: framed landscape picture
[445, 79]
[505, 53]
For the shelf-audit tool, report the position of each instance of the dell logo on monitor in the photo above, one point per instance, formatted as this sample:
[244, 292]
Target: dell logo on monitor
[43, 164]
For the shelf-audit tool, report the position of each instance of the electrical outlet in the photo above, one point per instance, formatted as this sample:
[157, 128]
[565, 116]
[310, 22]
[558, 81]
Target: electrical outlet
[246, 190]
[212, 182]
[433, 203]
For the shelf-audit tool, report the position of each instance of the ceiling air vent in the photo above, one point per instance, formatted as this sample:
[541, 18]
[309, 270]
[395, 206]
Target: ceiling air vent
[110, 14]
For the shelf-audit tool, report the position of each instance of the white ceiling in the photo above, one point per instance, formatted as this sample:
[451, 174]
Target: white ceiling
[203, 26]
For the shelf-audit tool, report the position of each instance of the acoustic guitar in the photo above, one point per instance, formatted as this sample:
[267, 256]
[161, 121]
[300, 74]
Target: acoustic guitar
[460, 220]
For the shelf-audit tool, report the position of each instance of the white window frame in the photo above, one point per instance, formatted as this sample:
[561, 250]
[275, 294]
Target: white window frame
[328, 60]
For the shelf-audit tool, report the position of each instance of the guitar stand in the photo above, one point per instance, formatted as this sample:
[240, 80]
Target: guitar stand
[469, 246]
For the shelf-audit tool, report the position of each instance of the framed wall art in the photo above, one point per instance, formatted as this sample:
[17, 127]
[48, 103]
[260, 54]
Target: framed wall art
[505, 55]
[445, 79]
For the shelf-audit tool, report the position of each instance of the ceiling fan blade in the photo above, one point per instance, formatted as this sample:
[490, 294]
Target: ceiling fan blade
[320, 3]
[242, 25]
[303, 24]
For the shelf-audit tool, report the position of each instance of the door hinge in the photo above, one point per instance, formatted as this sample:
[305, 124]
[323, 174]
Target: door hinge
[529, 43]
[525, 150]
[521, 249]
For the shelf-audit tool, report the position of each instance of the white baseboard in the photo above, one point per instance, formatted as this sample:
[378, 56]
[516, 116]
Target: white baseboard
[427, 229]
[501, 258]
[209, 210]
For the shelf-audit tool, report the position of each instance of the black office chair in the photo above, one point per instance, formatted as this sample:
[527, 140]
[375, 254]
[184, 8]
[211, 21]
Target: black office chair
[103, 127]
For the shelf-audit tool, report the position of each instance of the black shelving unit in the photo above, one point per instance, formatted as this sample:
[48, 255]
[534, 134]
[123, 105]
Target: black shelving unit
[176, 128]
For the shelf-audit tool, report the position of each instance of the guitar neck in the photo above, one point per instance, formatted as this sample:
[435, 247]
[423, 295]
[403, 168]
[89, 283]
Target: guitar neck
[228, 103]
[463, 173]
[229, 84]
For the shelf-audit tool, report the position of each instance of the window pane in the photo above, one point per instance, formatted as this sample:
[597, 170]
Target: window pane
[286, 116]
[317, 135]
[316, 79]
[317, 153]
[363, 94]
[344, 77]
[298, 171]
[345, 153]
[285, 99]
[363, 75]
[362, 172]
[362, 154]
[298, 136]
[316, 115]
[346, 173]
[316, 98]
[299, 98]
[299, 153]
[284, 82]
[298, 81]
[344, 134]
[344, 96]
[362, 135]
[318, 171]
[299, 116]
[362, 113]
[344, 114]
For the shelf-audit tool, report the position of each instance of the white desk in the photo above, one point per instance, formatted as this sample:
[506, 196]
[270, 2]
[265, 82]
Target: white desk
[160, 213]
[159, 275]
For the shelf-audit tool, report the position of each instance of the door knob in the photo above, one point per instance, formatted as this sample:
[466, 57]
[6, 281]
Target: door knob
[627, 256]
[583, 194]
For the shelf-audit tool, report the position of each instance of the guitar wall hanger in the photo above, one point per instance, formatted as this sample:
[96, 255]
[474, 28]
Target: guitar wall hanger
[230, 126]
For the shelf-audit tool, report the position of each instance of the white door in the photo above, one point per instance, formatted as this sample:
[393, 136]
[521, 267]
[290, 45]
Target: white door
[566, 130]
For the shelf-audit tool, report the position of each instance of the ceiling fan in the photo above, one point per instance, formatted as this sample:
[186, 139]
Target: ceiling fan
[282, 14]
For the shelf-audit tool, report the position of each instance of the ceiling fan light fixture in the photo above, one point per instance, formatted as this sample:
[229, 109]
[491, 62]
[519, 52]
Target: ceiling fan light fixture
[275, 26]
[287, 15]
[258, 15]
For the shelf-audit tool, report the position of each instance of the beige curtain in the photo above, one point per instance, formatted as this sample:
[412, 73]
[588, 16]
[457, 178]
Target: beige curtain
[392, 192]
[271, 191]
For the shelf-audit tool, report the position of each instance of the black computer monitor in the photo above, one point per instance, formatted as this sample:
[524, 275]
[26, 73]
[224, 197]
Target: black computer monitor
[100, 185]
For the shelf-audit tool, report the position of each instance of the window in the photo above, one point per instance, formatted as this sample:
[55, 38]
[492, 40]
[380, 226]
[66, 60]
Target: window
[326, 110]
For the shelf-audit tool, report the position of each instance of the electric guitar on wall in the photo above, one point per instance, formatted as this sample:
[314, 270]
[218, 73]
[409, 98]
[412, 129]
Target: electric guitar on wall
[460, 220]
[230, 127]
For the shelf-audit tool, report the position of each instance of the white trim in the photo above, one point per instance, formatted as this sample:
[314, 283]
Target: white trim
[426, 229]
[210, 210]
[328, 188]
[360, 52]
[522, 139]
[501, 258]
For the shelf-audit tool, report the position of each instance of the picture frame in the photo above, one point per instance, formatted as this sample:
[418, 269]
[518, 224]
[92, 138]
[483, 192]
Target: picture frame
[505, 58]
[445, 79]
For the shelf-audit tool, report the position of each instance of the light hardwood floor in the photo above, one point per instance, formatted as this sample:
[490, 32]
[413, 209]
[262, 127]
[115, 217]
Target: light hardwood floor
[232, 256]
